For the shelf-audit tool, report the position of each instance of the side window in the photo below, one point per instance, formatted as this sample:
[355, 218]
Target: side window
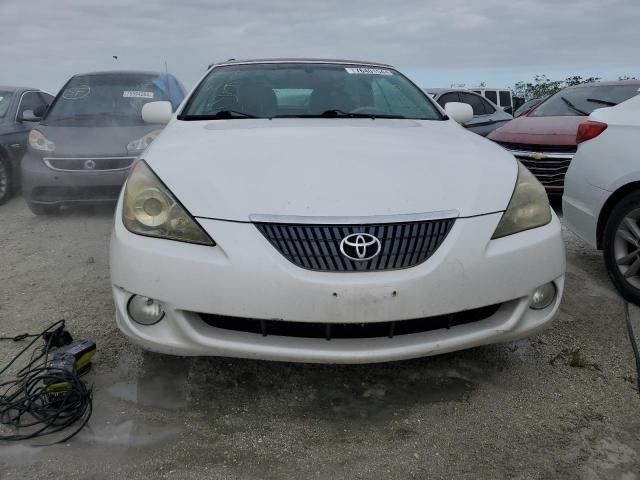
[448, 97]
[488, 107]
[505, 99]
[47, 98]
[30, 101]
[491, 95]
[476, 102]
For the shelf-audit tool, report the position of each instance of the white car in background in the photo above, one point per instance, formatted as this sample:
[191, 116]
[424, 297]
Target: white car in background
[328, 211]
[601, 201]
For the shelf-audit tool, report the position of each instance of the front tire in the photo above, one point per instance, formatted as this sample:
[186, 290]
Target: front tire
[6, 183]
[621, 247]
[43, 209]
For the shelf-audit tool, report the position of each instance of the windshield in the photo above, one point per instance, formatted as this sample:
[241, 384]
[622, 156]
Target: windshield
[307, 90]
[582, 101]
[5, 101]
[110, 99]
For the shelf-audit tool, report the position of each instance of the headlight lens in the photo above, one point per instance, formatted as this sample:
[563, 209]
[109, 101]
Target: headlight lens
[143, 142]
[528, 208]
[39, 142]
[150, 209]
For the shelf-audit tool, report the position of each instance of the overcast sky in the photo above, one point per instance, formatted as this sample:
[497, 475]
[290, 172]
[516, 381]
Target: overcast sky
[436, 42]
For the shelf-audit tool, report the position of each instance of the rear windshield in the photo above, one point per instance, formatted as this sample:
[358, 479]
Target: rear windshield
[111, 99]
[307, 90]
[582, 101]
[5, 101]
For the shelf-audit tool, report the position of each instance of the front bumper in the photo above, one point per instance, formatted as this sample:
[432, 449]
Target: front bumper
[244, 276]
[44, 185]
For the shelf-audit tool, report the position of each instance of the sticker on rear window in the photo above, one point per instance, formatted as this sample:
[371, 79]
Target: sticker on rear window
[368, 71]
[76, 93]
[137, 94]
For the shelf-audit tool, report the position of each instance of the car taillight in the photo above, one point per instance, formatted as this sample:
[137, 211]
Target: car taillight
[588, 130]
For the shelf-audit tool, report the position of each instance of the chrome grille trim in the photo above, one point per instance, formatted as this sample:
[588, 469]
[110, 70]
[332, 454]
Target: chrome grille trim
[548, 165]
[76, 164]
[317, 246]
[362, 220]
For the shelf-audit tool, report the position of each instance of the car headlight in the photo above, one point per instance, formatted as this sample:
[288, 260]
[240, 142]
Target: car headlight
[528, 208]
[39, 142]
[150, 209]
[143, 142]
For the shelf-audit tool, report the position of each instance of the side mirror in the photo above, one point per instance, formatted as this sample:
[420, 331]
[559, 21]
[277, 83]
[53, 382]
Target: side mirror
[460, 112]
[41, 110]
[29, 116]
[157, 112]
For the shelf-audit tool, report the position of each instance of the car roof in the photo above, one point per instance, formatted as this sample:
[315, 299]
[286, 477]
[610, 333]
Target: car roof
[234, 61]
[120, 72]
[438, 91]
[8, 88]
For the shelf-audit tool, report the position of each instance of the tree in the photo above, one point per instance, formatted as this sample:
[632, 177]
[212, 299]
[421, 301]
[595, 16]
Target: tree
[542, 86]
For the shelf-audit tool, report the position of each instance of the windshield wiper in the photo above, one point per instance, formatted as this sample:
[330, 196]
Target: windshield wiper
[335, 113]
[220, 115]
[573, 107]
[603, 102]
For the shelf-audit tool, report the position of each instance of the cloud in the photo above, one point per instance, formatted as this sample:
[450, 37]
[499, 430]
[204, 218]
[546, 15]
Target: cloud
[48, 41]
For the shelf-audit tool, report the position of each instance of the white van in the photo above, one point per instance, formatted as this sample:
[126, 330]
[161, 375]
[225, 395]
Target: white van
[502, 97]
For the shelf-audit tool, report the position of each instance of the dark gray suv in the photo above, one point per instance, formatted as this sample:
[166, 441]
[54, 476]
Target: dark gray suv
[85, 143]
[14, 129]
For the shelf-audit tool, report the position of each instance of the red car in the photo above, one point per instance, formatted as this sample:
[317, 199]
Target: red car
[544, 139]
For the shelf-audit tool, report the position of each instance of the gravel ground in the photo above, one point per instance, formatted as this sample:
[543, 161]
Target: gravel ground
[559, 405]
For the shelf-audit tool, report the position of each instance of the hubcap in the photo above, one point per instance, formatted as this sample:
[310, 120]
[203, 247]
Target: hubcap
[626, 248]
[4, 179]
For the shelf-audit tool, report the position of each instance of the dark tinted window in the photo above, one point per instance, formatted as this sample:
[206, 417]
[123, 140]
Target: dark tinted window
[448, 97]
[303, 90]
[5, 101]
[477, 103]
[111, 99]
[505, 99]
[31, 101]
[491, 95]
[583, 100]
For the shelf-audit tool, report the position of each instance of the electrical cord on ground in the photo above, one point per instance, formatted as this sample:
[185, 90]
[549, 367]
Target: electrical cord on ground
[47, 396]
[634, 343]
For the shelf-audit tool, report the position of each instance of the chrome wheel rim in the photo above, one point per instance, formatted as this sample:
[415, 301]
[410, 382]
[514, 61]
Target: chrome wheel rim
[626, 248]
[4, 179]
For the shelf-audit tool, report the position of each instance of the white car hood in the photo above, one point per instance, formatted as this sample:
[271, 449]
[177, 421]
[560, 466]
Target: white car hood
[232, 169]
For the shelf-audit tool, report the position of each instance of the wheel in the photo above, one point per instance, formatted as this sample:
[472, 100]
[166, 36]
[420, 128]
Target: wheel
[5, 181]
[621, 247]
[40, 209]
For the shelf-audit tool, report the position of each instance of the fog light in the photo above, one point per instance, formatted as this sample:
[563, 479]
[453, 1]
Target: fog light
[145, 310]
[543, 296]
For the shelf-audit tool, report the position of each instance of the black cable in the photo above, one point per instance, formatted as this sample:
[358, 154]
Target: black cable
[634, 343]
[30, 405]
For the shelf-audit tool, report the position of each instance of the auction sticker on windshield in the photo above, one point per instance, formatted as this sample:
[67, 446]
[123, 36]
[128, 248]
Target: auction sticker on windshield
[368, 71]
[137, 94]
[76, 93]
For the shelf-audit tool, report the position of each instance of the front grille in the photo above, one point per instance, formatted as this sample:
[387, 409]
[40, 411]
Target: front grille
[330, 331]
[550, 171]
[551, 166]
[89, 164]
[75, 194]
[317, 247]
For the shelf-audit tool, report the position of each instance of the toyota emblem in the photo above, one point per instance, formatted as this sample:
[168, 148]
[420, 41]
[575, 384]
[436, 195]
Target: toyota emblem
[360, 247]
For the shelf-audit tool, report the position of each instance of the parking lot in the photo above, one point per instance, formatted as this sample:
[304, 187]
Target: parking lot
[561, 404]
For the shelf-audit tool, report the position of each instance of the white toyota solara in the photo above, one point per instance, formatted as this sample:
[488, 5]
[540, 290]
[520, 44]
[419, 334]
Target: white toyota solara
[328, 211]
